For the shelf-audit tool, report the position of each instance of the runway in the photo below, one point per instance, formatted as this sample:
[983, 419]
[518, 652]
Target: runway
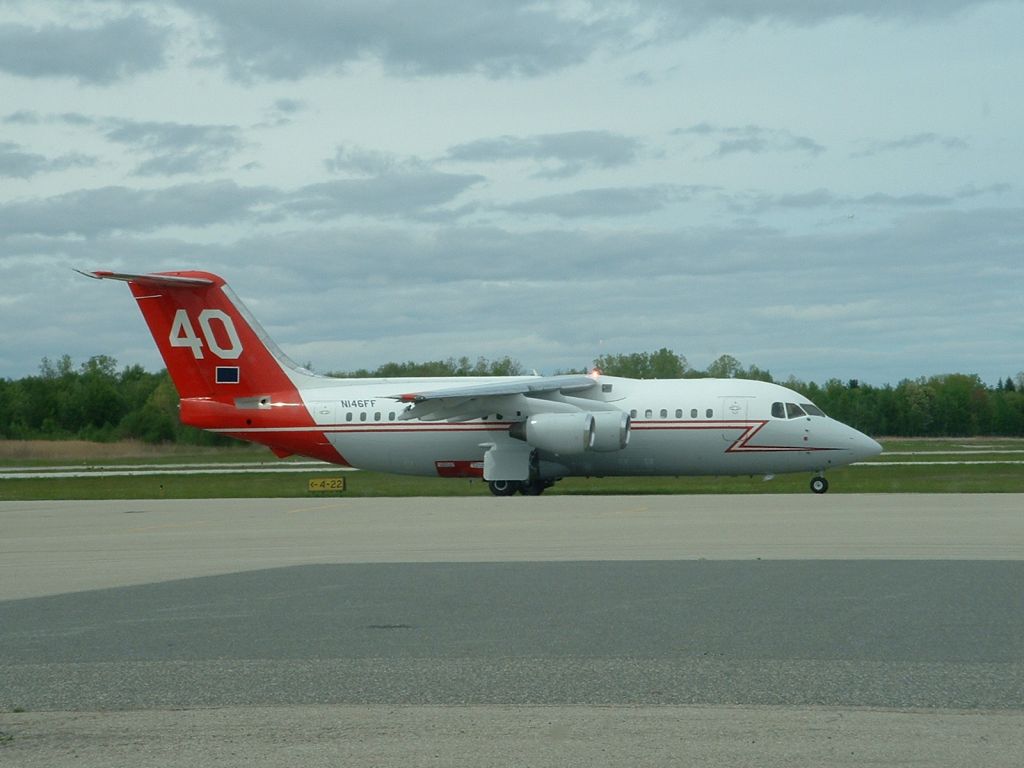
[691, 629]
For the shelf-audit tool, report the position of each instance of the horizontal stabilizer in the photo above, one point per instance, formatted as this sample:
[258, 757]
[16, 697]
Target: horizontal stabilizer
[169, 280]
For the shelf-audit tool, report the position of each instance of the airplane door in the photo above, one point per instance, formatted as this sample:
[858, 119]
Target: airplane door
[734, 408]
[324, 412]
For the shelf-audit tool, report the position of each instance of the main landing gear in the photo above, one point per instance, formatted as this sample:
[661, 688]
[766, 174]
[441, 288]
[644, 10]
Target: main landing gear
[819, 484]
[512, 487]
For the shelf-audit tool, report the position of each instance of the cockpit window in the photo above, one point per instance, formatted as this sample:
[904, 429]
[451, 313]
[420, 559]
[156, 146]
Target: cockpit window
[794, 411]
[778, 410]
[812, 410]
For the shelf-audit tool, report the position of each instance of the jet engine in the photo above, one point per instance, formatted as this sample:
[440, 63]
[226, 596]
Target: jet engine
[611, 430]
[561, 433]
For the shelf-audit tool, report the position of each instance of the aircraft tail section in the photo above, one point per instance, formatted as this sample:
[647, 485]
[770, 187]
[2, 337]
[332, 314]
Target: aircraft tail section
[231, 378]
[210, 343]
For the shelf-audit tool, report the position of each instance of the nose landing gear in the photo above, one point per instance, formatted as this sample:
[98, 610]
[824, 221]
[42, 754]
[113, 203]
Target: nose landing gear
[819, 484]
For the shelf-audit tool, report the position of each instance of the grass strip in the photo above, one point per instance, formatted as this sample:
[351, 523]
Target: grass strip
[992, 478]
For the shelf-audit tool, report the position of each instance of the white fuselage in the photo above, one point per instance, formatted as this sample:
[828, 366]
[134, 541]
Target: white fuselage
[679, 427]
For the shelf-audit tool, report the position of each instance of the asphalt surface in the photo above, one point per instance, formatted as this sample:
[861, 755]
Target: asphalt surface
[850, 633]
[312, 618]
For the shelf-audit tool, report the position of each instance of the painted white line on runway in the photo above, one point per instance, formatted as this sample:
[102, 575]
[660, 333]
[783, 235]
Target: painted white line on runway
[929, 463]
[193, 465]
[208, 470]
[969, 452]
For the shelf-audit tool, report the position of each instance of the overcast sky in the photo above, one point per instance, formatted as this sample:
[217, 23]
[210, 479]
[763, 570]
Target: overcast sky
[823, 189]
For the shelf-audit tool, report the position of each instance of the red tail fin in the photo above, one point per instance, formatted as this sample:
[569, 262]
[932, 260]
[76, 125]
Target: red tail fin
[211, 345]
[230, 376]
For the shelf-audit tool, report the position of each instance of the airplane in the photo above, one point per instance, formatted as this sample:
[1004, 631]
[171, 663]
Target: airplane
[520, 434]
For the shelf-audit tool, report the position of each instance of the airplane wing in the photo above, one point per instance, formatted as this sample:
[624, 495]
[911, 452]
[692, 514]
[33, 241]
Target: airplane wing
[477, 400]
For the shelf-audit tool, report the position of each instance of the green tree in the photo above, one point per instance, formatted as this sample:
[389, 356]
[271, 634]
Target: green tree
[95, 404]
[957, 410]
[753, 372]
[916, 408]
[662, 364]
[725, 367]
[505, 366]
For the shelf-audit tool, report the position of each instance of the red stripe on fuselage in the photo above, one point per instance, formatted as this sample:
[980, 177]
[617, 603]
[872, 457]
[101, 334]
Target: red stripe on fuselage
[740, 445]
[303, 434]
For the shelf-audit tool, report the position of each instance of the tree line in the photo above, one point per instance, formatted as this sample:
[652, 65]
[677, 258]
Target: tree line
[94, 401]
[98, 401]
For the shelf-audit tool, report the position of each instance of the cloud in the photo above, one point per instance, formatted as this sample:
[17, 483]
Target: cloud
[914, 141]
[605, 202]
[22, 117]
[677, 19]
[385, 184]
[371, 162]
[91, 212]
[173, 148]
[570, 152]
[814, 313]
[760, 202]
[289, 106]
[269, 39]
[97, 55]
[18, 164]
[176, 147]
[751, 138]
[31, 117]
[282, 113]
[402, 193]
[265, 39]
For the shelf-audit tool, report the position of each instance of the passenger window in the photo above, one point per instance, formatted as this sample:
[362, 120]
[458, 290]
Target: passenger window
[793, 411]
[679, 413]
[391, 416]
[664, 413]
[648, 413]
[778, 410]
[710, 413]
[812, 410]
[376, 416]
[362, 416]
[348, 416]
[693, 413]
[632, 414]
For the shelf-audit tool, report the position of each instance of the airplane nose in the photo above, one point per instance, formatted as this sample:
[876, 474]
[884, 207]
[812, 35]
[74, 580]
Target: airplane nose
[864, 447]
[856, 444]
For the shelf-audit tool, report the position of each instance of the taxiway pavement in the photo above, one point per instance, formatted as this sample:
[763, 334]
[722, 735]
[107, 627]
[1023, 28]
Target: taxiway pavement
[761, 630]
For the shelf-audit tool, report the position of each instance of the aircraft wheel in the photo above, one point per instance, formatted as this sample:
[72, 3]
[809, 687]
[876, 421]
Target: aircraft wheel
[504, 487]
[533, 488]
[819, 485]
